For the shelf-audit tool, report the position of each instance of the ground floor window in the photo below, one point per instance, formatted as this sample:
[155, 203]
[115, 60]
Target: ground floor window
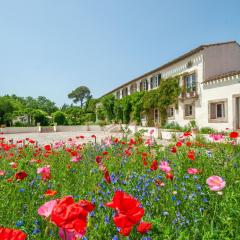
[170, 112]
[156, 115]
[189, 110]
[218, 110]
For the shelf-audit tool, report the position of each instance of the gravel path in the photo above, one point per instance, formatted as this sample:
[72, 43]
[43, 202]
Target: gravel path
[47, 138]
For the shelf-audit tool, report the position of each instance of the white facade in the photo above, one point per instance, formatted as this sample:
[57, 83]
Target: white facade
[214, 100]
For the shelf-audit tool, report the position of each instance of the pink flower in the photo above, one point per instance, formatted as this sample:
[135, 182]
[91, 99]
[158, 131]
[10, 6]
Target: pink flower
[45, 172]
[76, 158]
[164, 166]
[2, 172]
[69, 234]
[149, 142]
[46, 209]
[151, 131]
[193, 171]
[216, 137]
[215, 183]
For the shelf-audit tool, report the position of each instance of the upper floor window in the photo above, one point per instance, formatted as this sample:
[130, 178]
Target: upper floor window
[133, 88]
[118, 95]
[144, 85]
[124, 92]
[190, 82]
[155, 81]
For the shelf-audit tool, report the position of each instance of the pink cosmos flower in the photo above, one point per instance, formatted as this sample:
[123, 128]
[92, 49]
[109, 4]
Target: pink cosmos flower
[216, 137]
[2, 172]
[58, 144]
[76, 158]
[215, 183]
[151, 131]
[149, 141]
[164, 166]
[46, 209]
[193, 171]
[45, 172]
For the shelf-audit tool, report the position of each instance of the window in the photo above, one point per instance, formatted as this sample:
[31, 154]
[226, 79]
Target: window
[133, 88]
[118, 94]
[124, 92]
[190, 83]
[144, 85]
[218, 111]
[155, 81]
[189, 110]
[156, 115]
[170, 112]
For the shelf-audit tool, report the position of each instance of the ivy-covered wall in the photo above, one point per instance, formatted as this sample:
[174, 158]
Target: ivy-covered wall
[129, 108]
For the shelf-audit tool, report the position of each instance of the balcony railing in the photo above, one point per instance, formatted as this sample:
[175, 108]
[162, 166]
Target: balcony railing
[188, 95]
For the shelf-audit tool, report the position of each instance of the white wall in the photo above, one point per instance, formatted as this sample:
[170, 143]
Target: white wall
[214, 92]
[9, 130]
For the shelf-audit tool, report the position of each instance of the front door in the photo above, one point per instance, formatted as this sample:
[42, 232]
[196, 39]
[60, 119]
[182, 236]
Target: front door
[238, 112]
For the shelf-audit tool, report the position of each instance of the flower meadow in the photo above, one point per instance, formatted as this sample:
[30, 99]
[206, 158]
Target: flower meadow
[130, 188]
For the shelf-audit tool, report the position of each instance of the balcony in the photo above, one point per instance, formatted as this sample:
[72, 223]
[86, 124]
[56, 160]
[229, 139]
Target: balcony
[188, 95]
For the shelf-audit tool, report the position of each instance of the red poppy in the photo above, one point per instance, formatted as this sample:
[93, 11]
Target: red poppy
[144, 227]
[70, 215]
[154, 165]
[47, 147]
[20, 175]
[188, 144]
[169, 176]
[98, 159]
[107, 176]
[12, 234]
[127, 152]
[50, 193]
[82, 137]
[93, 136]
[187, 134]
[105, 153]
[233, 135]
[129, 211]
[191, 155]
[31, 141]
[116, 140]
[173, 149]
[179, 144]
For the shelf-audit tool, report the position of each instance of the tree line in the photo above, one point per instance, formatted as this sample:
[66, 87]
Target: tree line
[29, 111]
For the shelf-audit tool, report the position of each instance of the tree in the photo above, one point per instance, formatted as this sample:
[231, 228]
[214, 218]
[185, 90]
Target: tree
[59, 117]
[80, 94]
[46, 105]
[40, 117]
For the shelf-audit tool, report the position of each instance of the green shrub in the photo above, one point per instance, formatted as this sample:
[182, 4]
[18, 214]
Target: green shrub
[59, 117]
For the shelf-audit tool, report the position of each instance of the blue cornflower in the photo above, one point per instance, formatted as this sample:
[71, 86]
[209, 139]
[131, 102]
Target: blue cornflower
[174, 198]
[21, 190]
[36, 231]
[106, 220]
[19, 223]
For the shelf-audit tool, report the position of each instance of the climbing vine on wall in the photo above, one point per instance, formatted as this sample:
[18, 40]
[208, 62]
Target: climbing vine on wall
[130, 107]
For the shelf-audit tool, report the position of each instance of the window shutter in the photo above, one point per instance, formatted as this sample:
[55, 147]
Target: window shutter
[213, 110]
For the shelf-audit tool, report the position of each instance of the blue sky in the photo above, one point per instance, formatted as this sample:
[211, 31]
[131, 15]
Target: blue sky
[50, 47]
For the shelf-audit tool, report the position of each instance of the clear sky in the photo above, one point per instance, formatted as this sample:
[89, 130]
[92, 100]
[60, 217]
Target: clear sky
[50, 47]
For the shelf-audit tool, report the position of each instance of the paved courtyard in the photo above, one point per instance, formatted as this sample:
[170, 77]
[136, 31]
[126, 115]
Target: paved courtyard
[47, 138]
[43, 138]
